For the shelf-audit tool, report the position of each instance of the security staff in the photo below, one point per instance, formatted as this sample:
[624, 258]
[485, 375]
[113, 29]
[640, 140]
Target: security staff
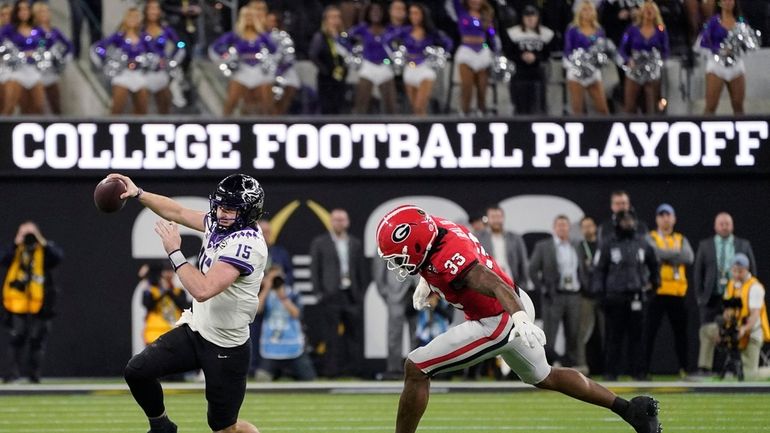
[626, 269]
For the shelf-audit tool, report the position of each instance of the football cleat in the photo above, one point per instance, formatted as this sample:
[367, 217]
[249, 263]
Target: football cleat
[642, 415]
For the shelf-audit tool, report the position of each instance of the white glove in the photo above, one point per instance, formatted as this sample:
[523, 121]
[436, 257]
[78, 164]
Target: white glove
[526, 330]
[421, 293]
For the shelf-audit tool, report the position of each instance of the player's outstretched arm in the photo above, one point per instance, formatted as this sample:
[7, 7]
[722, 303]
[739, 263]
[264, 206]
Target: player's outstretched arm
[165, 207]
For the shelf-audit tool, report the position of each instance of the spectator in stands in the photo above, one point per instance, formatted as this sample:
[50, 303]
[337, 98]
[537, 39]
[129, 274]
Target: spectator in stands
[557, 272]
[719, 74]
[130, 81]
[5, 19]
[674, 253]
[167, 46]
[287, 78]
[752, 322]
[24, 87]
[398, 15]
[531, 51]
[29, 297]
[282, 343]
[376, 70]
[91, 10]
[619, 201]
[398, 300]
[164, 300]
[475, 21]
[647, 36]
[54, 39]
[251, 82]
[340, 278]
[583, 33]
[279, 255]
[419, 76]
[326, 54]
[591, 316]
[711, 274]
[182, 16]
[506, 247]
[616, 16]
[626, 271]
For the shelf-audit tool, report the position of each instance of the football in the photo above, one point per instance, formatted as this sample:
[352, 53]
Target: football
[107, 195]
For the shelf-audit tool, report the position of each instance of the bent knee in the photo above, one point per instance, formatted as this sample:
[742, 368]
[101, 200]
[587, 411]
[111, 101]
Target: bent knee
[412, 372]
[134, 369]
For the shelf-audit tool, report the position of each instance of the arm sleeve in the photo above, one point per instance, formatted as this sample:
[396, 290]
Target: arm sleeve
[221, 45]
[665, 50]
[315, 266]
[625, 46]
[7, 254]
[752, 261]
[536, 267]
[652, 265]
[756, 297]
[53, 255]
[240, 252]
[698, 271]
[601, 262]
[569, 44]
[59, 36]
[317, 46]
[444, 41]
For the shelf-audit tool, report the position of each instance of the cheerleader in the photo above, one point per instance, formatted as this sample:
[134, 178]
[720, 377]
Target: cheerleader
[531, 50]
[52, 36]
[375, 70]
[727, 15]
[419, 76]
[130, 81]
[5, 19]
[650, 34]
[251, 80]
[475, 22]
[583, 33]
[24, 86]
[164, 43]
[289, 80]
[397, 15]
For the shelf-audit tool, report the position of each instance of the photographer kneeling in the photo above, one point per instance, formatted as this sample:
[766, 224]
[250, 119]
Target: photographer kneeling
[749, 314]
[282, 342]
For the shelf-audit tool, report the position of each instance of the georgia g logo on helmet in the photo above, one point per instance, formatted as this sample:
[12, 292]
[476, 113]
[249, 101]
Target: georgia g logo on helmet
[401, 233]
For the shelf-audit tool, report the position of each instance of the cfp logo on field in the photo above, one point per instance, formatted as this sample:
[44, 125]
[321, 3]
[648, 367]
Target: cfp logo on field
[401, 233]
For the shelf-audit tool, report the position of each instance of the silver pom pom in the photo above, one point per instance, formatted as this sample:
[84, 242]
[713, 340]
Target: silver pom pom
[647, 66]
[502, 69]
[436, 57]
[739, 41]
[398, 59]
[229, 62]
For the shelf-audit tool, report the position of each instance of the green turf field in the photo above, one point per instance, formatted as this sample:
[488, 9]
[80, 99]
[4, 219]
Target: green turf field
[453, 412]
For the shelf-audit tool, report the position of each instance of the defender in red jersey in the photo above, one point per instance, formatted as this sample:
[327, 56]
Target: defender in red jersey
[454, 266]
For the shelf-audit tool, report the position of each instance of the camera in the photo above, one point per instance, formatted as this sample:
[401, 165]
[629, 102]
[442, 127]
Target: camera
[729, 343]
[30, 240]
[278, 282]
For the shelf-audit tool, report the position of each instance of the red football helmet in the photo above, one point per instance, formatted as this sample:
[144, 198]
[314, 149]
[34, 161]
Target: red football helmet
[404, 237]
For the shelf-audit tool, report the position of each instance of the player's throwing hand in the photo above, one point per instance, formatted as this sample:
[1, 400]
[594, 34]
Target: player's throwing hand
[131, 189]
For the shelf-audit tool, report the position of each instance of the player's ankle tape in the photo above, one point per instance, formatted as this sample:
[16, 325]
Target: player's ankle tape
[177, 259]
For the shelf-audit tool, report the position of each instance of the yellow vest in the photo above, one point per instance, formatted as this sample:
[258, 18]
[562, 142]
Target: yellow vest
[28, 301]
[744, 295]
[161, 319]
[673, 280]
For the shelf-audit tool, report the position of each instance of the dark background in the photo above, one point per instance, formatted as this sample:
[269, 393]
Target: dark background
[91, 334]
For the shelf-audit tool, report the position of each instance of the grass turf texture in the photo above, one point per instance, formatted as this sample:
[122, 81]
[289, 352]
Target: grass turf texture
[452, 412]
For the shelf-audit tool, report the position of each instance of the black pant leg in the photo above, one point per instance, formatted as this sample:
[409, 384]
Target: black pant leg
[636, 342]
[656, 310]
[226, 370]
[39, 329]
[332, 358]
[353, 338]
[677, 314]
[173, 352]
[18, 338]
[616, 316]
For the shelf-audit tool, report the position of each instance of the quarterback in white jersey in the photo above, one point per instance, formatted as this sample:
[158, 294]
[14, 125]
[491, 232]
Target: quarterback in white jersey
[214, 336]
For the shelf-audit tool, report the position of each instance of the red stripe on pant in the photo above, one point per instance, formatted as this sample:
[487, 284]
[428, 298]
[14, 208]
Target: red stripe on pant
[468, 347]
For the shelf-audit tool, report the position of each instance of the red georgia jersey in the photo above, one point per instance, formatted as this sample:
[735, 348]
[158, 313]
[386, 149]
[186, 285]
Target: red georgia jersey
[455, 255]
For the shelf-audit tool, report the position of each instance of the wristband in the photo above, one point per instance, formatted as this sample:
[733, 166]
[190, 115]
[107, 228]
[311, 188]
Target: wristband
[177, 259]
[139, 194]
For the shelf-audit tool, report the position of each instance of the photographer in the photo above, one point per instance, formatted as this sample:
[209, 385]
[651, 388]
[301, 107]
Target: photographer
[28, 297]
[282, 343]
[625, 272]
[749, 315]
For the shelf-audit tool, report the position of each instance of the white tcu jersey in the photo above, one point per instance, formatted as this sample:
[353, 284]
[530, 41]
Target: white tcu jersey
[224, 319]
